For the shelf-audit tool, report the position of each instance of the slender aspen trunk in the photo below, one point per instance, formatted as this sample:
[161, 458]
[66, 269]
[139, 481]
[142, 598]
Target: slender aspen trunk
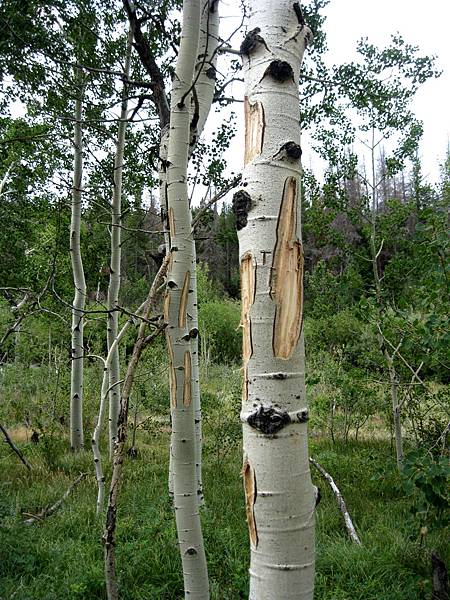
[114, 277]
[204, 87]
[77, 351]
[178, 332]
[205, 76]
[396, 407]
[142, 340]
[278, 490]
[95, 442]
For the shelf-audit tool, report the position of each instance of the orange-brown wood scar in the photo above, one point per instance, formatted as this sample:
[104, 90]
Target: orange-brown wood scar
[286, 282]
[187, 379]
[250, 499]
[248, 276]
[171, 222]
[173, 375]
[254, 129]
[183, 300]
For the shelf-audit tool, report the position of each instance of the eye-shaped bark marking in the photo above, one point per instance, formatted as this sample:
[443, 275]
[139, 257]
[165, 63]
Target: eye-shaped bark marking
[183, 301]
[248, 287]
[286, 281]
[250, 499]
[268, 419]
[173, 375]
[187, 379]
[254, 129]
[242, 203]
[280, 70]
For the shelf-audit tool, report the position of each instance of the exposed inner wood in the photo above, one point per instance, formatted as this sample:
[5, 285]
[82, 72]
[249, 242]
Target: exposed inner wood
[166, 307]
[286, 282]
[173, 375]
[254, 129]
[171, 222]
[248, 275]
[250, 499]
[183, 301]
[187, 379]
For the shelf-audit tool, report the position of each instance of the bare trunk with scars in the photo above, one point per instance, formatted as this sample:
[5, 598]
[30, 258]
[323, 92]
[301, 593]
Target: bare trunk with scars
[205, 77]
[114, 277]
[278, 490]
[77, 349]
[179, 334]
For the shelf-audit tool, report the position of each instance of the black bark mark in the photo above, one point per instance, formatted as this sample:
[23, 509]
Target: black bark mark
[268, 420]
[241, 205]
[251, 41]
[280, 70]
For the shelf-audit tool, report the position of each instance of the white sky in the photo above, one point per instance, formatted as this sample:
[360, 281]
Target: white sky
[425, 25]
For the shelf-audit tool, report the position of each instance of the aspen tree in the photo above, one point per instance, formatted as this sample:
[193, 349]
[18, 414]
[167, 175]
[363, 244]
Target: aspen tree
[205, 75]
[77, 348]
[278, 491]
[114, 277]
[179, 332]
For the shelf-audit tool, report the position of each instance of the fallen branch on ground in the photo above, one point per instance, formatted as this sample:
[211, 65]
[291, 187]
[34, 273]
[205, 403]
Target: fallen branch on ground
[50, 510]
[9, 441]
[340, 500]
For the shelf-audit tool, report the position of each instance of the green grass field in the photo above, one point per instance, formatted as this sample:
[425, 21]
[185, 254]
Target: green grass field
[62, 556]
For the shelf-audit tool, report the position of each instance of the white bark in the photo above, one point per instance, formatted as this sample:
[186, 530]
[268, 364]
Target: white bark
[114, 277]
[205, 76]
[176, 306]
[278, 489]
[95, 442]
[77, 350]
[204, 88]
[341, 502]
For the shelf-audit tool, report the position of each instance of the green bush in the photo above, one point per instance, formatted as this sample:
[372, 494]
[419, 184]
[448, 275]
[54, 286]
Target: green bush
[220, 334]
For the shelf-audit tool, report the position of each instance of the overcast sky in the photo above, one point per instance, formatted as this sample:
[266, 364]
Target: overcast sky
[423, 24]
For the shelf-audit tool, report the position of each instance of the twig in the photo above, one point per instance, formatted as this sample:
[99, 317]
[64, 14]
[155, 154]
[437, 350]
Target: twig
[340, 500]
[47, 512]
[9, 441]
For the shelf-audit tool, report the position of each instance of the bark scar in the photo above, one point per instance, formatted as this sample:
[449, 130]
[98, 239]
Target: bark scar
[250, 499]
[286, 280]
[254, 129]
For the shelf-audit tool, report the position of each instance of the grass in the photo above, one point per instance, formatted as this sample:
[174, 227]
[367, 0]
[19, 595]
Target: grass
[62, 557]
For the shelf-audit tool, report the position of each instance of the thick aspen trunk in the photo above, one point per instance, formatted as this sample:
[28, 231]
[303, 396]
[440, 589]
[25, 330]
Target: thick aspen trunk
[114, 277]
[179, 333]
[77, 350]
[278, 490]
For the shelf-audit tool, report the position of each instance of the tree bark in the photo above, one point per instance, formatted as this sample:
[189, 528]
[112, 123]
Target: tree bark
[109, 535]
[341, 502]
[114, 277]
[77, 351]
[278, 490]
[179, 332]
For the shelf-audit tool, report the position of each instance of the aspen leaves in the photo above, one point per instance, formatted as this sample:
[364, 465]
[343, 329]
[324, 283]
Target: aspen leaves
[286, 282]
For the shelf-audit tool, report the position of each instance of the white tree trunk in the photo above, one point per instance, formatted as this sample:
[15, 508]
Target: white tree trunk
[204, 87]
[114, 277]
[205, 76]
[178, 332]
[77, 349]
[278, 489]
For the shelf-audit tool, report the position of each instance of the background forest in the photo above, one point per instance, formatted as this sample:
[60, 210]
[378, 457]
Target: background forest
[376, 289]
